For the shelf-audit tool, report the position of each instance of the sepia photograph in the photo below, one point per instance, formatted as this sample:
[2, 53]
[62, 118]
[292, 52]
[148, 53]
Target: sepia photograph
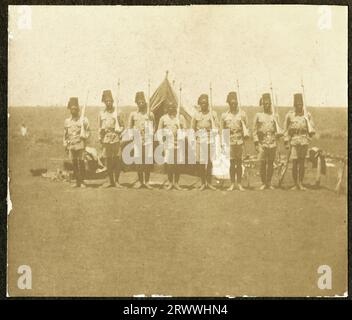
[177, 151]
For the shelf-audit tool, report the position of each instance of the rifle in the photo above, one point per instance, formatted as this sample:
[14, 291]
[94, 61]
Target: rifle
[284, 169]
[148, 105]
[279, 131]
[179, 107]
[83, 112]
[244, 127]
[149, 125]
[211, 106]
[117, 124]
[310, 128]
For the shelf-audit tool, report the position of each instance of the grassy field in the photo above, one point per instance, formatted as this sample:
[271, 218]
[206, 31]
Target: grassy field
[120, 243]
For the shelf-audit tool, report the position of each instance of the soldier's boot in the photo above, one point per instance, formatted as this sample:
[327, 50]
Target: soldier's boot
[231, 187]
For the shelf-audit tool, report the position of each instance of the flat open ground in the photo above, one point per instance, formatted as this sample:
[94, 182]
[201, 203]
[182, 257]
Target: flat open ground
[98, 242]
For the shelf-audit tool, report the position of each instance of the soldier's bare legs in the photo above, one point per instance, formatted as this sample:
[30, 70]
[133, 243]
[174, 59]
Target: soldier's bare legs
[295, 174]
[139, 183]
[263, 174]
[239, 174]
[147, 177]
[232, 175]
[208, 176]
[170, 179]
[269, 174]
[82, 170]
[110, 170]
[177, 179]
[118, 169]
[301, 171]
[76, 172]
[202, 176]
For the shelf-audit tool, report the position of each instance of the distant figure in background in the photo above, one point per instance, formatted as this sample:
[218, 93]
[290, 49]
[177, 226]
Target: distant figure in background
[24, 131]
[171, 122]
[265, 140]
[234, 119]
[74, 140]
[110, 129]
[139, 120]
[204, 120]
[297, 138]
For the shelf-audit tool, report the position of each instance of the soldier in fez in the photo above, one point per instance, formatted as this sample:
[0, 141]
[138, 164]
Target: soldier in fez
[299, 129]
[204, 120]
[172, 122]
[265, 134]
[110, 129]
[140, 120]
[234, 119]
[76, 132]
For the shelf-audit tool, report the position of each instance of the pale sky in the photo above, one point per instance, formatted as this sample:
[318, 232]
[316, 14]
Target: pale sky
[65, 50]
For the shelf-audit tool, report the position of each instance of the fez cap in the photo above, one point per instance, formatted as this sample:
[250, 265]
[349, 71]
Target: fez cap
[231, 95]
[171, 104]
[139, 96]
[203, 96]
[265, 98]
[106, 95]
[72, 102]
[297, 99]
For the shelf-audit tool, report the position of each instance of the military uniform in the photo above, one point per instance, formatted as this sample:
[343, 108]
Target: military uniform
[297, 137]
[234, 122]
[74, 141]
[110, 128]
[296, 134]
[265, 132]
[109, 138]
[172, 124]
[202, 123]
[140, 120]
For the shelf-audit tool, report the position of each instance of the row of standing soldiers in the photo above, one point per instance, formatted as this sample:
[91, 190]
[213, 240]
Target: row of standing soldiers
[266, 134]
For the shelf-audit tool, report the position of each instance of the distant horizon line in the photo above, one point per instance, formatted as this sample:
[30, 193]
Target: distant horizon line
[131, 106]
